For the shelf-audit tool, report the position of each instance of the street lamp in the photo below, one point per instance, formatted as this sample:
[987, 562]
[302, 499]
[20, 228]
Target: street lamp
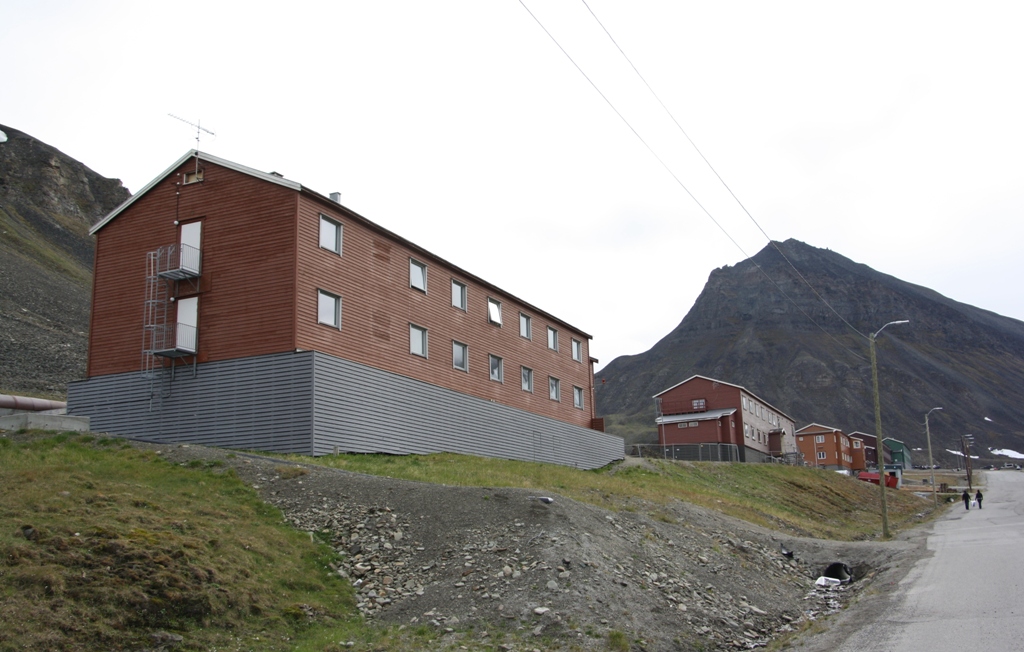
[878, 425]
[931, 464]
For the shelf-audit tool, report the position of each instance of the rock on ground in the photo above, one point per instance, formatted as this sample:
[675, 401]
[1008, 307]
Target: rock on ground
[451, 557]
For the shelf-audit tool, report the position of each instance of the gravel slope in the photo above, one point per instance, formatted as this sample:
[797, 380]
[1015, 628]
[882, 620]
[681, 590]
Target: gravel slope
[564, 573]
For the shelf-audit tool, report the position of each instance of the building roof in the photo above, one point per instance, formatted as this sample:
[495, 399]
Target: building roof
[293, 185]
[710, 415]
[714, 380]
[820, 427]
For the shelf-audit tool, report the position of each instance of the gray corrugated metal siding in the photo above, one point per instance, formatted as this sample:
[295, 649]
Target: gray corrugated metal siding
[312, 402]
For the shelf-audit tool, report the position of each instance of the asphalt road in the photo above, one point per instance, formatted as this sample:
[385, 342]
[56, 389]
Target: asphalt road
[968, 594]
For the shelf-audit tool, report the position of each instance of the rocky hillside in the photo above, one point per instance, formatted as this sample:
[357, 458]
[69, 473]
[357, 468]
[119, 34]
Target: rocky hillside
[471, 561]
[48, 202]
[774, 337]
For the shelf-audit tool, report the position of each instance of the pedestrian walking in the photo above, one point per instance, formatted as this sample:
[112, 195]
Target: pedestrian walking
[967, 500]
[978, 498]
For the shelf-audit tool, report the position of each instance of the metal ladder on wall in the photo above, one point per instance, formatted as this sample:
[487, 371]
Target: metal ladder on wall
[154, 325]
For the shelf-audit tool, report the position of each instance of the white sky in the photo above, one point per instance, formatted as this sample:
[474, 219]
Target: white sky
[890, 132]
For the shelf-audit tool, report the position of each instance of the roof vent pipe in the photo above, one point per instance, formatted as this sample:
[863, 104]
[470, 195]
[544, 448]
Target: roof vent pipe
[336, 197]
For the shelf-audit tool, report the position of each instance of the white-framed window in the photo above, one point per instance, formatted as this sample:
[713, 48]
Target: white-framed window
[758, 411]
[699, 404]
[856, 443]
[527, 379]
[417, 340]
[328, 309]
[821, 455]
[577, 350]
[554, 389]
[193, 177]
[577, 397]
[460, 356]
[494, 311]
[746, 430]
[552, 339]
[460, 295]
[819, 439]
[330, 234]
[743, 401]
[525, 326]
[417, 275]
[497, 368]
[681, 424]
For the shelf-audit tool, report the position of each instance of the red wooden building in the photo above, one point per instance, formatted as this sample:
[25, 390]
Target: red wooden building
[705, 411]
[825, 447]
[239, 308]
[869, 444]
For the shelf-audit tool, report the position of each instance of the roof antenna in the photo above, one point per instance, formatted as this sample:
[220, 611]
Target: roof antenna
[199, 128]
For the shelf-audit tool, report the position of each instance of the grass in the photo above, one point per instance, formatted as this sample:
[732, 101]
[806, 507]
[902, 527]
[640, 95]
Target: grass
[804, 500]
[101, 544]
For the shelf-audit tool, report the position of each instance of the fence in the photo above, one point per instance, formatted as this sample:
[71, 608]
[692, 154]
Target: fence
[710, 453]
[688, 452]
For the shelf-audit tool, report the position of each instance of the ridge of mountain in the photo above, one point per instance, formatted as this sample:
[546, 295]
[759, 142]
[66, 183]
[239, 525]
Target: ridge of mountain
[798, 355]
[48, 203]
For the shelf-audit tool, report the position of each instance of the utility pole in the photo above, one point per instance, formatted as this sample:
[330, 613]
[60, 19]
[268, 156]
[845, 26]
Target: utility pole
[931, 464]
[878, 426]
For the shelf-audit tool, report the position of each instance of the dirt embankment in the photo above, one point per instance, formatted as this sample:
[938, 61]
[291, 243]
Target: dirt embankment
[469, 560]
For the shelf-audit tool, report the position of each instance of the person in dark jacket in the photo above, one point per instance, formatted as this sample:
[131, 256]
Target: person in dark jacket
[967, 500]
[978, 498]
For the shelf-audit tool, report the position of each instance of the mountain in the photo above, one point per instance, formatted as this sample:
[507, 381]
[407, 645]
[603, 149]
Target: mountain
[759, 325]
[48, 202]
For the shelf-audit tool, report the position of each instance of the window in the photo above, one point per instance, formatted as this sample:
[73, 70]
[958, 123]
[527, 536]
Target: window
[330, 234]
[743, 400]
[497, 372]
[856, 443]
[460, 356]
[758, 411]
[746, 430]
[819, 439]
[527, 379]
[553, 389]
[194, 177]
[417, 275]
[494, 311]
[417, 340]
[328, 309]
[552, 339]
[577, 350]
[821, 455]
[699, 404]
[524, 326]
[458, 295]
[577, 397]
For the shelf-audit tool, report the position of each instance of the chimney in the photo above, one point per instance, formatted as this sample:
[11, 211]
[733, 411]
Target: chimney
[336, 197]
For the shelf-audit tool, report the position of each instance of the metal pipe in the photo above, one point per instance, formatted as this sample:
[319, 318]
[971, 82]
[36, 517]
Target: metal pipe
[30, 404]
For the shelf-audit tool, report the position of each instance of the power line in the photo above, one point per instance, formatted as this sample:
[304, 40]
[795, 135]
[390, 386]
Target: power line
[680, 182]
[712, 168]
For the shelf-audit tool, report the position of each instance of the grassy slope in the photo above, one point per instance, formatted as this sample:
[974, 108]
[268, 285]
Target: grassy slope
[804, 501]
[102, 544]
